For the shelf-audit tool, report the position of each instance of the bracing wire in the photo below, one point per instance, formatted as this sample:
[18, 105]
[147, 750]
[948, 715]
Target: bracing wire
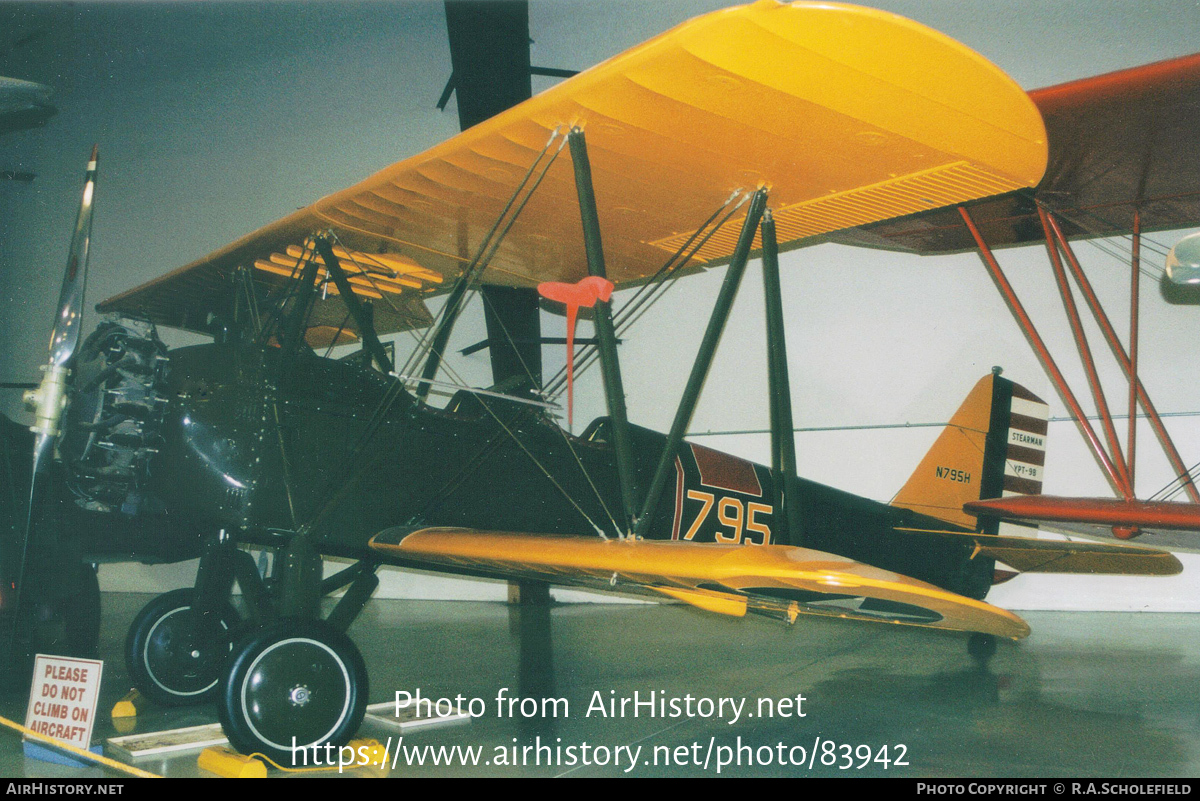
[565, 436]
[659, 285]
[470, 273]
[484, 254]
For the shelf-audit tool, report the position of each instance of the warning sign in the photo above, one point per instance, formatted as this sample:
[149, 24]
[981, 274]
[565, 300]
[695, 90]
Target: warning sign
[62, 700]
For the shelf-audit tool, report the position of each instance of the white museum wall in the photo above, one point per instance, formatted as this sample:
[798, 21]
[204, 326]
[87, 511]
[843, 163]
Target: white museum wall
[213, 120]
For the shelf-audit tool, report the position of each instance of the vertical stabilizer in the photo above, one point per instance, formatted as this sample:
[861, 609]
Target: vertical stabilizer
[993, 446]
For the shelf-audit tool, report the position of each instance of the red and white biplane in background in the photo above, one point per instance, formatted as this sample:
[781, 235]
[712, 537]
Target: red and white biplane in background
[1122, 164]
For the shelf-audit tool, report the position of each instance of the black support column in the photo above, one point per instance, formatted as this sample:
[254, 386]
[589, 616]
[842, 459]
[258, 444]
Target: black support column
[514, 331]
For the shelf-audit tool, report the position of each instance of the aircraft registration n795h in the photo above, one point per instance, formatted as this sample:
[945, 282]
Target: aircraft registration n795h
[747, 131]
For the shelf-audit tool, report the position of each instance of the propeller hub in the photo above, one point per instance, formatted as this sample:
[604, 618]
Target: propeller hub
[48, 400]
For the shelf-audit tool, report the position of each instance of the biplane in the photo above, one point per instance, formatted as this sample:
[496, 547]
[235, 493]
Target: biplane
[748, 131]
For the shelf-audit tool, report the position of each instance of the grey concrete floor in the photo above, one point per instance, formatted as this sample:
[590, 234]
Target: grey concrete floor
[1085, 695]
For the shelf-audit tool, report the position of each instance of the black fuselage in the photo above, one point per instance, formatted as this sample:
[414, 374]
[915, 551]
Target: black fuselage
[263, 445]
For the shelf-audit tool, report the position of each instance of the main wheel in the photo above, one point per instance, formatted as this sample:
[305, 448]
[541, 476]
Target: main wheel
[291, 686]
[175, 657]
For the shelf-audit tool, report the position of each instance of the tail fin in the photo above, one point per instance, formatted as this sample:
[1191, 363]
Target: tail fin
[993, 446]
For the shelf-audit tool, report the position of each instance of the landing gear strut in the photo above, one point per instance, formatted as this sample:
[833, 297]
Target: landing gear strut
[289, 681]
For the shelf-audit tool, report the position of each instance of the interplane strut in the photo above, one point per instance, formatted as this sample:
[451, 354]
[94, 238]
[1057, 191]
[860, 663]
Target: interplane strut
[1118, 467]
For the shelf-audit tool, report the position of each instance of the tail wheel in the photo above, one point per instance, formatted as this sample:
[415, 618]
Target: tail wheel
[293, 685]
[174, 655]
[981, 647]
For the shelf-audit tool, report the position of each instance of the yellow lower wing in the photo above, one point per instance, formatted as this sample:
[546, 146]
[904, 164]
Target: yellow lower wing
[776, 580]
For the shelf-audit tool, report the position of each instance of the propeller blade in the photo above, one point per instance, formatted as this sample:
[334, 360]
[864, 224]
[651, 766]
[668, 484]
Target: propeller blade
[70, 299]
[48, 400]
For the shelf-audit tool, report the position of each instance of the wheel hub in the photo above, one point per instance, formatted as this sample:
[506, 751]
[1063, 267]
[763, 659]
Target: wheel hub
[174, 654]
[299, 696]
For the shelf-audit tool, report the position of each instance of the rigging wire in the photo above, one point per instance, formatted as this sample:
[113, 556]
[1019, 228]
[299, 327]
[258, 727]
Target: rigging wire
[246, 283]
[542, 467]
[288, 291]
[1177, 485]
[481, 263]
[333, 342]
[633, 311]
[1119, 246]
[473, 269]
[565, 436]
[883, 426]
[365, 274]
[487, 250]
[669, 268]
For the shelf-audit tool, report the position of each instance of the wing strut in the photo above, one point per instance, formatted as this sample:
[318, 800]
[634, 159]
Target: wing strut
[708, 348]
[470, 275]
[783, 438]
[288, 326]
[1124, 359]
[989, 259]
[658, 284]
[361, 314]
[1118, 467]
[1085, 355]
[610, 367]
[1135, 267]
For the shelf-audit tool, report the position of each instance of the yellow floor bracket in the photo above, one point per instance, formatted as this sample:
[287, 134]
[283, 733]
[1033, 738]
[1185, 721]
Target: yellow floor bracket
[230, 764]
[127, 707]
[124, 712]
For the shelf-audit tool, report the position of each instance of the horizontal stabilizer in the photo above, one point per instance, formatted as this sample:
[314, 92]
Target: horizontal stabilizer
[1061, 556]
[774, 580]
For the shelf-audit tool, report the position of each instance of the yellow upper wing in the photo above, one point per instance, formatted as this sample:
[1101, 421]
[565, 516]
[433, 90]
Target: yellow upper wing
[776, 580]
[849, 115]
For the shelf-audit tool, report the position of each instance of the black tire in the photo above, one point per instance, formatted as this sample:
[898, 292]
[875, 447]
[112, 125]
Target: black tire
[292, 685]
[168, 660]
